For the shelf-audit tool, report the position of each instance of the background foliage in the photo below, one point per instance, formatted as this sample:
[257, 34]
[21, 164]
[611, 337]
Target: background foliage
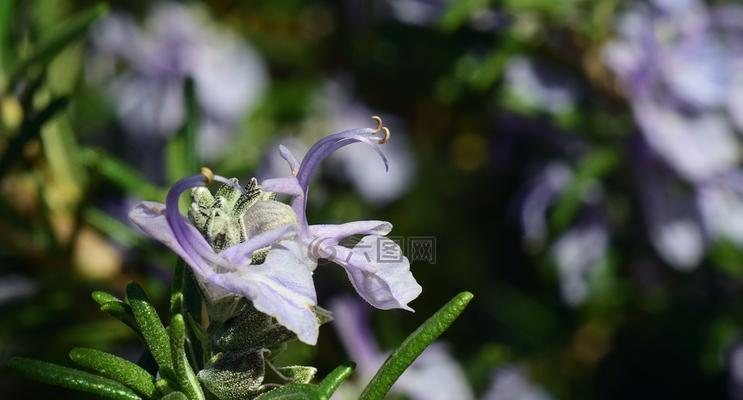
[559, 187]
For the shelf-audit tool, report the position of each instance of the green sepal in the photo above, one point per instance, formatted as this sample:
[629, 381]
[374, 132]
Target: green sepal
[235, 375]
[413, 346]
[322, 391]
[151, 327]
[72, 379]
[187, 380]
[298, 373]
[116, 368]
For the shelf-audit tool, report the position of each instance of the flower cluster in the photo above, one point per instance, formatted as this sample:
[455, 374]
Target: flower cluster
[279, 282]
[681, 66]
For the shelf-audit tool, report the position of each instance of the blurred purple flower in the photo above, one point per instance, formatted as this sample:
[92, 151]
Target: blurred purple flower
[578, 253]
[177, 42]
[546, 188]
[513, 383]
[538, 87]
[681, 67]
[580, 249]
[671, 215]
[282, 285]
[435, 375]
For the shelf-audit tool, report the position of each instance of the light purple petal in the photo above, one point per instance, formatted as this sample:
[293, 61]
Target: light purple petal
[286, 185]
[150, 217]
[379, 272]
[336, 233]
[281, 287]
[290, 158]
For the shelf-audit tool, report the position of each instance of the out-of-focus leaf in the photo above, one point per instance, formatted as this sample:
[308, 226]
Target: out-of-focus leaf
[187, 380]
[121, 175]
[30, 128]
[116, 368]
[55, 41]
[413, 346]
[7, 8]
[63, 155]
[592, 167]
[459, 11]
[72, 379]
[111, 227]
[151, 326]
[182, 155]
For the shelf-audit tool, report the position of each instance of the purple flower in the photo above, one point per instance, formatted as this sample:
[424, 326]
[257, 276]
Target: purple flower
[578, 254]
[671, 215]
[176, 43]
[282, 285]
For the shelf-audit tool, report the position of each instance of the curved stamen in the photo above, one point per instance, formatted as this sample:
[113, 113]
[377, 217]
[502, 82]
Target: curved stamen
[381, 127]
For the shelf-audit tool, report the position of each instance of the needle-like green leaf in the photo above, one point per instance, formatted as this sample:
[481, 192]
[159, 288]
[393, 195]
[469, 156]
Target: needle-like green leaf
[72, 379]
[151, 326]
[294, 391]
[413, 346]
[330, 384]
[116, 368]
[187, 380]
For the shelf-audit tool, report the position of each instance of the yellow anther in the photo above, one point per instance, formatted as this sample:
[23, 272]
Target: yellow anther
[208, 174]
[380, 127]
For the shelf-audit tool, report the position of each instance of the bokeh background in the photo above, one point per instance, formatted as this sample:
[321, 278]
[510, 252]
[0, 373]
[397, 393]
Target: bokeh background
[577, 163]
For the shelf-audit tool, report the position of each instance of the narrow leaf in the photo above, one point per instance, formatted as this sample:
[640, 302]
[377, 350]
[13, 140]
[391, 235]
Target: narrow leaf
[413, 346]
[111, 227]
[176, 291]
[72, 379]
[330, 384]
[120, 174]
[57, 40]
[187, 380]
[116, 368]
[152, 328]
[102, 297]
[30, 129]
[294, 391]
[122, 312]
